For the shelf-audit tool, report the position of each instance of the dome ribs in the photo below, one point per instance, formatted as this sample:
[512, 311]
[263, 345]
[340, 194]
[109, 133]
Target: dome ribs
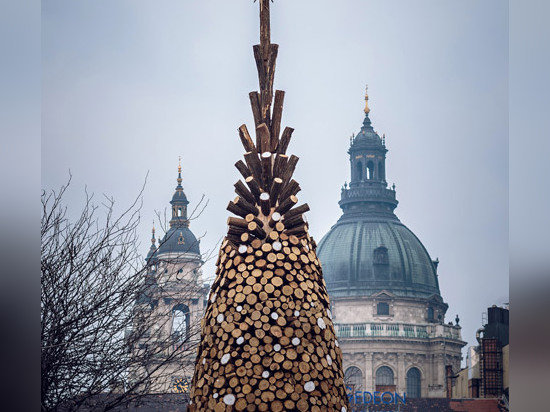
[267, 337]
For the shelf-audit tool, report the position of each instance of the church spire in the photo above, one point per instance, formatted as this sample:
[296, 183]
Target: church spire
[153, 247]
[367, 110]
[179, 173]
[179, 203]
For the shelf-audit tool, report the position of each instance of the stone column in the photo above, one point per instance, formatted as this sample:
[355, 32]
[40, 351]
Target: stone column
[441, 369]
[368, 379]
[401, 383]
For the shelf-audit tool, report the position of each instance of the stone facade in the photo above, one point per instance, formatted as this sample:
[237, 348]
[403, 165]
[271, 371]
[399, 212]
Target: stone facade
[402, 340]
[173, 304]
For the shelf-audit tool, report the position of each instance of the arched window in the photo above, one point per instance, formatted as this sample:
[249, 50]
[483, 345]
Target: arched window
[381, 263]
[179, 211]
[359, 168]
[383, 308]
[180, 322]
[380, 256]
[384, 376]
[370, 170]
[430, 313]
[413, 383]
[353, 378]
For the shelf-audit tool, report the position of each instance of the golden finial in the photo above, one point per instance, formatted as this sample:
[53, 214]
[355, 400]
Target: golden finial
[367, 110]
[179, 172]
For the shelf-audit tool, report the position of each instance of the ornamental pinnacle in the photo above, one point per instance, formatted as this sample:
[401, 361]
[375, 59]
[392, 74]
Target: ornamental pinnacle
[268, 341]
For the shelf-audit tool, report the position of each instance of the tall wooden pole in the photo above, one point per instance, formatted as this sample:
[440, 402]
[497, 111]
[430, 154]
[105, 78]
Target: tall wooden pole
[268, 341]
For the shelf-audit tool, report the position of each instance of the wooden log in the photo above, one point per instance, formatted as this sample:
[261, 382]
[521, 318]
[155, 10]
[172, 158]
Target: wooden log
[265, 28]
[274, 190]
[252, 218]
[254, 165]
[276, 119]
[298, 231]
[286, 205]
[279, 227]
[265, 204]
[246, 140]
[235, 231]
[291, 188]
[243, 204]
[279, 165]
[297, 220]
[231, 241]
[285, 140]
[254, 186]
[264, 138]
[246, 238]
[273, 51]
[275, 217]
[256, 230]
[264, 96]
[266, 160]
[235, 221]
[256, 110]
[265, 106]
[297, 210]
[256, 244]
[289, 169]
[243, 192]
[243, 169]
[238, 210]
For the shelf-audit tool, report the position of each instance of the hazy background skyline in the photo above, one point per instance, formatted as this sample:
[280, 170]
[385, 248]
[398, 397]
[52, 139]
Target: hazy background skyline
[129, 86]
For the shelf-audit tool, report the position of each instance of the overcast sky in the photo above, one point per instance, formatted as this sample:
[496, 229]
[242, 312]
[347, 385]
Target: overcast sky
[129, 86]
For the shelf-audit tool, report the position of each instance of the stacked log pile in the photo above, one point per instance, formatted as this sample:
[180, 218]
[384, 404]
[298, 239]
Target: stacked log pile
[268, 341]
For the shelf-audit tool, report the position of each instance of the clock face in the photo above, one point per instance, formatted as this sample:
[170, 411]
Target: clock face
[180, 385]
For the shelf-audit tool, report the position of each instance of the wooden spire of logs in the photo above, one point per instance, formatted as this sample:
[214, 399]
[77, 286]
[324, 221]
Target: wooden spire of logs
[268, 341]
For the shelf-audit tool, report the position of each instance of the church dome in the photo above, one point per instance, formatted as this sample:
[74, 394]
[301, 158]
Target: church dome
[369, 250]
[178, 240]
[363, 256]
[179, 197]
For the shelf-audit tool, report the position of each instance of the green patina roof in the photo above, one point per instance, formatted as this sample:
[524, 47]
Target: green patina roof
[351, 266]
[369, 250]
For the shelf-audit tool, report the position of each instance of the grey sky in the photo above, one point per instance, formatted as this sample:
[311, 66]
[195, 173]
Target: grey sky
[128, 86]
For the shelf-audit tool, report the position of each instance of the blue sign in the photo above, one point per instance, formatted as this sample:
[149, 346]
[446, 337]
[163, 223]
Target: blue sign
[376, 398]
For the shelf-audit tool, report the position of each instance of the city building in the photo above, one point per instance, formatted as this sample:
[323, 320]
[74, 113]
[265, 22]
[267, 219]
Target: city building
[388, 310]
[487, 364]
[172, 304]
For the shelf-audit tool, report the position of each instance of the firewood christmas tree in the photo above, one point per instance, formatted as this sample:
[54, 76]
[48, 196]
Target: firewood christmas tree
[268, 341]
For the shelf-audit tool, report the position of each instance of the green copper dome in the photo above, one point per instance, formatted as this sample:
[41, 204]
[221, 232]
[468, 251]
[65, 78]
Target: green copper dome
[364, 256]
[369, 250]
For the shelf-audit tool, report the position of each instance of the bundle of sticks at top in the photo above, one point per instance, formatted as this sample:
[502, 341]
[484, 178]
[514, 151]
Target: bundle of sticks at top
[268, 341]
[268, 195]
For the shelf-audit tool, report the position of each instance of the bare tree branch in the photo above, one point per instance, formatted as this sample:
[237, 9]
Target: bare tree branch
[107, 332]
